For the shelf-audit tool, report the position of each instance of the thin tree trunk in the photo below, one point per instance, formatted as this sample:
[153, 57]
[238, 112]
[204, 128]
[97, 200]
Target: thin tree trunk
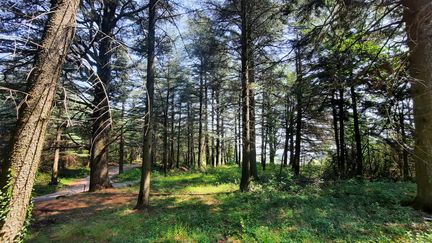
[122, 141]
[357, 134]
[171, 155]
[405, 165]
[144, 191]
[178, 137]
[26, 143]
[287, 131]
[418, 17]
[336, 131]
[342, 165]
[263, 135]
[165, 130]
[200, 124]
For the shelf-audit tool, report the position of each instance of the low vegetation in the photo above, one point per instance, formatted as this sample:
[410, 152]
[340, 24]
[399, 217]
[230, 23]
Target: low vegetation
[207, 207]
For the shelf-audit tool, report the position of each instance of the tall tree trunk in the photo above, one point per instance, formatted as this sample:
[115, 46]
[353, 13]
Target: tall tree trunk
[144, 191]
[263, 134]
[101, 114]
[206, 125]
[418, 17]
[122, 140]
[189, 137]
[287, 131]
[246, 99]
[239, 119]
[342, 166]
[235, 141]
[405, 165]
[299, 96]
[291, 146]
[213, 154]
[26, 143]
[253, 160]
[200, 124]
[165, 130]
[218, 129]
[178, 137]
[58, 144]
[357, 134]
[171, 154]
[336, 131]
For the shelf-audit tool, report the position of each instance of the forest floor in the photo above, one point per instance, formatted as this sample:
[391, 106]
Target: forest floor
[71, 182]
[207, 207]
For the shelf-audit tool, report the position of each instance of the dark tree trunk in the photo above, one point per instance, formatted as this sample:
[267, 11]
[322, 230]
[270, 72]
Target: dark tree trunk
[144, 191]
[357, 134]
[418, 17]
[342, 166]
[263, 135]
[206, 125]
[26, 143]
[336, 131]
[200, 122]
[287, 131]
[299, 96]
[218, 129]
[213, 154]
[405, 165]
[246, 99]
[178, 137]
[172, 134]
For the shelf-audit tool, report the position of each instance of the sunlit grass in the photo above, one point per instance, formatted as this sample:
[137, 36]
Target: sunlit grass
[207, 207]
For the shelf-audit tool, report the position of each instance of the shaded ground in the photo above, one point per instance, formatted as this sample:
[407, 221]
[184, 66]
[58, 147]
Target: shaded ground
[195, 207]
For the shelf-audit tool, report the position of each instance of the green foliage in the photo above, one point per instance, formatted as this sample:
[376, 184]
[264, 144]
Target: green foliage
[207, 207]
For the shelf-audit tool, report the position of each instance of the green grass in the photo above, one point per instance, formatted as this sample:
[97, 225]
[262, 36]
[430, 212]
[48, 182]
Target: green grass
[42, 182]
[207, 207]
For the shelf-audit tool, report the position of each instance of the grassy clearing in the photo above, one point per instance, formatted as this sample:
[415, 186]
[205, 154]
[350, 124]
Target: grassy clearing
[42, 182]
[206, 207]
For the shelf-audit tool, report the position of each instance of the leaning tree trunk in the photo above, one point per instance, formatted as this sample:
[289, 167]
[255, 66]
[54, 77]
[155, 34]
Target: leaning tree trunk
[27, 142]
[418, 17]
[144, 191]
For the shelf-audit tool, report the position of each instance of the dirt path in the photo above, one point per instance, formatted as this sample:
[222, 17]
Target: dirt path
[82, 185]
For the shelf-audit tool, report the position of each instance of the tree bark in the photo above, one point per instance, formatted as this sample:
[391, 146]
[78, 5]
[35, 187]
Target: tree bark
[26, 144]
[246, 101]
[357, 134]
[101, 114]
[336, 131]
[143, 201]
[165, 130]
[58, 144]
[418, 18]
[342, 166]
[122, 140]
[299, 97]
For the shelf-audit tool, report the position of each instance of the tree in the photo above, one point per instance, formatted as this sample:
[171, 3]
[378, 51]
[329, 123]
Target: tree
[144, 191]
[417, 18]
[27, 141]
